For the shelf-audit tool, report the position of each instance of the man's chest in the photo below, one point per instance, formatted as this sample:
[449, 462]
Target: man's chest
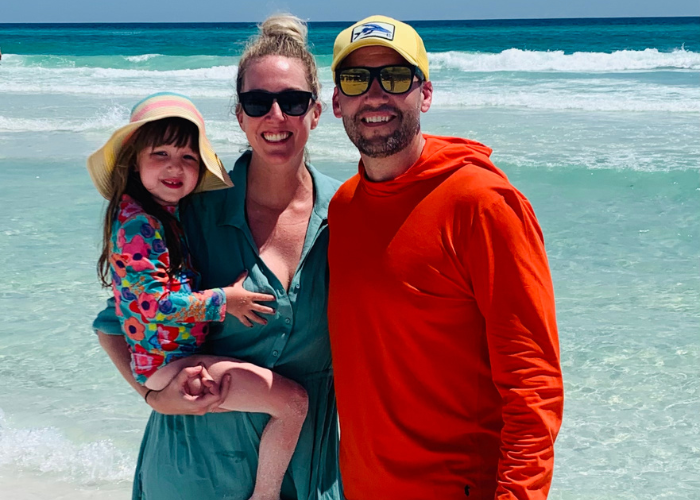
[401, 246]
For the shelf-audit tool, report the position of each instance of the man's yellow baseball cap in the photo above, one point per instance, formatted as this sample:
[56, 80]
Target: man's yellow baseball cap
[384, 31]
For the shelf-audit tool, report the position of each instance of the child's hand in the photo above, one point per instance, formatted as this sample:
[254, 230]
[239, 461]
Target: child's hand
[202, 384]
[244, 304]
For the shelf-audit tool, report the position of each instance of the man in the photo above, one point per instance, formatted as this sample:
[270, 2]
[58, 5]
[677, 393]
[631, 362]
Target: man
[441, 307]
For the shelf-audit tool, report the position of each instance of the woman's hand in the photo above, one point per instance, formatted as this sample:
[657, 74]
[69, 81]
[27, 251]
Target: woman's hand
[175, 399]
[244, 304]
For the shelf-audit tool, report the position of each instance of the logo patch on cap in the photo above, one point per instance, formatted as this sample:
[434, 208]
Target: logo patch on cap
[373, 30]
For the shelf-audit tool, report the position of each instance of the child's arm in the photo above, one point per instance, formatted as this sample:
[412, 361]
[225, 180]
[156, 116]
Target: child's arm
[140, 262]
[173, 399]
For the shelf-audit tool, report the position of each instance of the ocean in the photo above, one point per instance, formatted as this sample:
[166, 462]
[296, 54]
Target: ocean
[597, 121]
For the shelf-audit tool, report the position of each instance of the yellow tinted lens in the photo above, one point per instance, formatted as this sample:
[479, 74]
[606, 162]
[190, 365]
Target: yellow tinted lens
[354, 81]
[396, 79]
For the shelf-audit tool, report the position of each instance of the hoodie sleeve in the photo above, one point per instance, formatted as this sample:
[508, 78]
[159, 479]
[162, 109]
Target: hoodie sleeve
[511, 281]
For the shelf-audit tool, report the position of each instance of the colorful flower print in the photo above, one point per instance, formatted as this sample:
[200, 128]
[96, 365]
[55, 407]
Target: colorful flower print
[121, 238]
[215, 298]
[164, 258]
[127, 209]
[127, 295]
[145, 363]
[159, 246]
[138, 252]
[163, 319]
[148, 305]
[166, 307]
[117, 295]
[147, 230]
[167, 337]
[118, 263]
[134, 329]
[199, 332]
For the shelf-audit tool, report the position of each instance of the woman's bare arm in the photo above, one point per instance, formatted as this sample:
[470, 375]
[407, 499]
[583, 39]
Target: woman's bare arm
[118, 351]
[173, 399]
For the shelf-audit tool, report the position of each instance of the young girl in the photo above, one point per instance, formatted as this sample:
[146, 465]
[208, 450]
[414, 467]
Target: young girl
[144, 170]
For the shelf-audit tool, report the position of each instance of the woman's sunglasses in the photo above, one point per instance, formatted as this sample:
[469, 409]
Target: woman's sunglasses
[394, 79]
[257, 103]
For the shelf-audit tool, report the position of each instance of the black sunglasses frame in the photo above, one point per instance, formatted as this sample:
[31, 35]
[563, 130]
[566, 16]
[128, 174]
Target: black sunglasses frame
[375, 73]
[286, 100]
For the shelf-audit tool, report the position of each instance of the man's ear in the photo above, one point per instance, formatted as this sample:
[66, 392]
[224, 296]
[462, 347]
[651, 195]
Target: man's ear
[336, 104]
[427, 94]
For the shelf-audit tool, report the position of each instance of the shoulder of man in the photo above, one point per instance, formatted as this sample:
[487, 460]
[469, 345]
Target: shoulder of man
[346, 190]
[474, 175]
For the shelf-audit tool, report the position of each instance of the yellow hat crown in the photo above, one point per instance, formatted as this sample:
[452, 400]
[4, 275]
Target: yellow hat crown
[386, 32]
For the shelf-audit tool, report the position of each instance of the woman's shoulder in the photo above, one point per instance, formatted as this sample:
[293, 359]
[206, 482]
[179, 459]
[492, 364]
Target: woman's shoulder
[323, 181]
[209, 204]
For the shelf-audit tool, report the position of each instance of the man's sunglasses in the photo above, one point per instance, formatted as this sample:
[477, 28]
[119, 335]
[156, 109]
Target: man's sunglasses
[257, 103]
[394, 79]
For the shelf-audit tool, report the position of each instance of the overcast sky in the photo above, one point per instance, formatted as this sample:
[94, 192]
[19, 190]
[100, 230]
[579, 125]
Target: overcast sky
[81, 11]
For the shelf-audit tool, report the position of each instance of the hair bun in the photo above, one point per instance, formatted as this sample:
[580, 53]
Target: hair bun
[285, 26]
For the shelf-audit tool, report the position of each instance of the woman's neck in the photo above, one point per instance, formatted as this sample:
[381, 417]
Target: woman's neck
[276, 187]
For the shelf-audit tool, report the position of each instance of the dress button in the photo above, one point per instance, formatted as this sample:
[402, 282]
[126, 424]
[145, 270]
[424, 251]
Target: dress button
[275, 353]
[287, 320]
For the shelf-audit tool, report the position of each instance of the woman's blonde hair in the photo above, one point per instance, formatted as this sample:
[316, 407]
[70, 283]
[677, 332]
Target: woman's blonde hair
[280, 35]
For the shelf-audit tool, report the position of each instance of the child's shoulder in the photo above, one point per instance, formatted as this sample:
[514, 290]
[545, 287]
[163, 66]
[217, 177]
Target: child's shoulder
[131, 214]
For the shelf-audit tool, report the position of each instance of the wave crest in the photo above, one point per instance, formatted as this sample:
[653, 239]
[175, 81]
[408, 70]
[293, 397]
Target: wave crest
[49, 451]
[557, 60]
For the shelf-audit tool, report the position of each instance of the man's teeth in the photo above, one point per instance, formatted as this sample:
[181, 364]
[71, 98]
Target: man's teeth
[377, 119]
[276, 137]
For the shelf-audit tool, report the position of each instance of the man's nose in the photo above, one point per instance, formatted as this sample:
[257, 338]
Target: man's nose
[375, 90]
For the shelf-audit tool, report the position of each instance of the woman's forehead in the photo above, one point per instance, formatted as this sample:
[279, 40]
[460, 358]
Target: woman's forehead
[275, 73]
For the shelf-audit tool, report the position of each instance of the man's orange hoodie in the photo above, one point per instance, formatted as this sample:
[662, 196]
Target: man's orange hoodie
[443, 333]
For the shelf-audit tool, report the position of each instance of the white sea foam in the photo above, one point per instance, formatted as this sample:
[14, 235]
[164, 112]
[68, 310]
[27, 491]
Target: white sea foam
[557, 60]
[214, 73]
[112, 117]
[47, 450]
[73, 70]
[535, 98]
[141, 58]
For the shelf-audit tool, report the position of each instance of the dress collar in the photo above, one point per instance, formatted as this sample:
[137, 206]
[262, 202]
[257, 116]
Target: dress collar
[234, 215]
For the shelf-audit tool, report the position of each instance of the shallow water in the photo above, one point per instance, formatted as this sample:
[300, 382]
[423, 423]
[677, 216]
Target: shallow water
[602, 138]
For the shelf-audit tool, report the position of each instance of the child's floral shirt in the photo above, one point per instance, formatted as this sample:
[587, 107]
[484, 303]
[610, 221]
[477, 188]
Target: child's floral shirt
[162, 318]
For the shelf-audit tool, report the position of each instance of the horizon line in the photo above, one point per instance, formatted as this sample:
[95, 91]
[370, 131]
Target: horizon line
[353, 21]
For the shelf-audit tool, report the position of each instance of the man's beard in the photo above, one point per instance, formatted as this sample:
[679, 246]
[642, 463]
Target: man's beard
[383, 146]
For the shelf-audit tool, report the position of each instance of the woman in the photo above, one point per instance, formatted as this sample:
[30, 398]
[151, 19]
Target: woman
[272, 224]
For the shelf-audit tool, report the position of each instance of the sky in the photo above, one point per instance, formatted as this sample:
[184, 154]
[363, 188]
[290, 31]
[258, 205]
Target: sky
[82, 11]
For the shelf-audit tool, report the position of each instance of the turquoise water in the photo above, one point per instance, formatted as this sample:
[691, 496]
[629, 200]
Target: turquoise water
[596, 121]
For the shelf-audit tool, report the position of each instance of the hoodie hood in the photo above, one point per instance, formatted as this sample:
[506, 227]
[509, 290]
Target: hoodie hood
[440, 156]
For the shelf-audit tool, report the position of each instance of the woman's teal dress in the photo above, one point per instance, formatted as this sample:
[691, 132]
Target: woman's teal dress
[215, 456]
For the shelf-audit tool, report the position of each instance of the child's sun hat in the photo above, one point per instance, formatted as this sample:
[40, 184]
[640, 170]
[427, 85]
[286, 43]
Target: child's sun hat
[101, 163]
